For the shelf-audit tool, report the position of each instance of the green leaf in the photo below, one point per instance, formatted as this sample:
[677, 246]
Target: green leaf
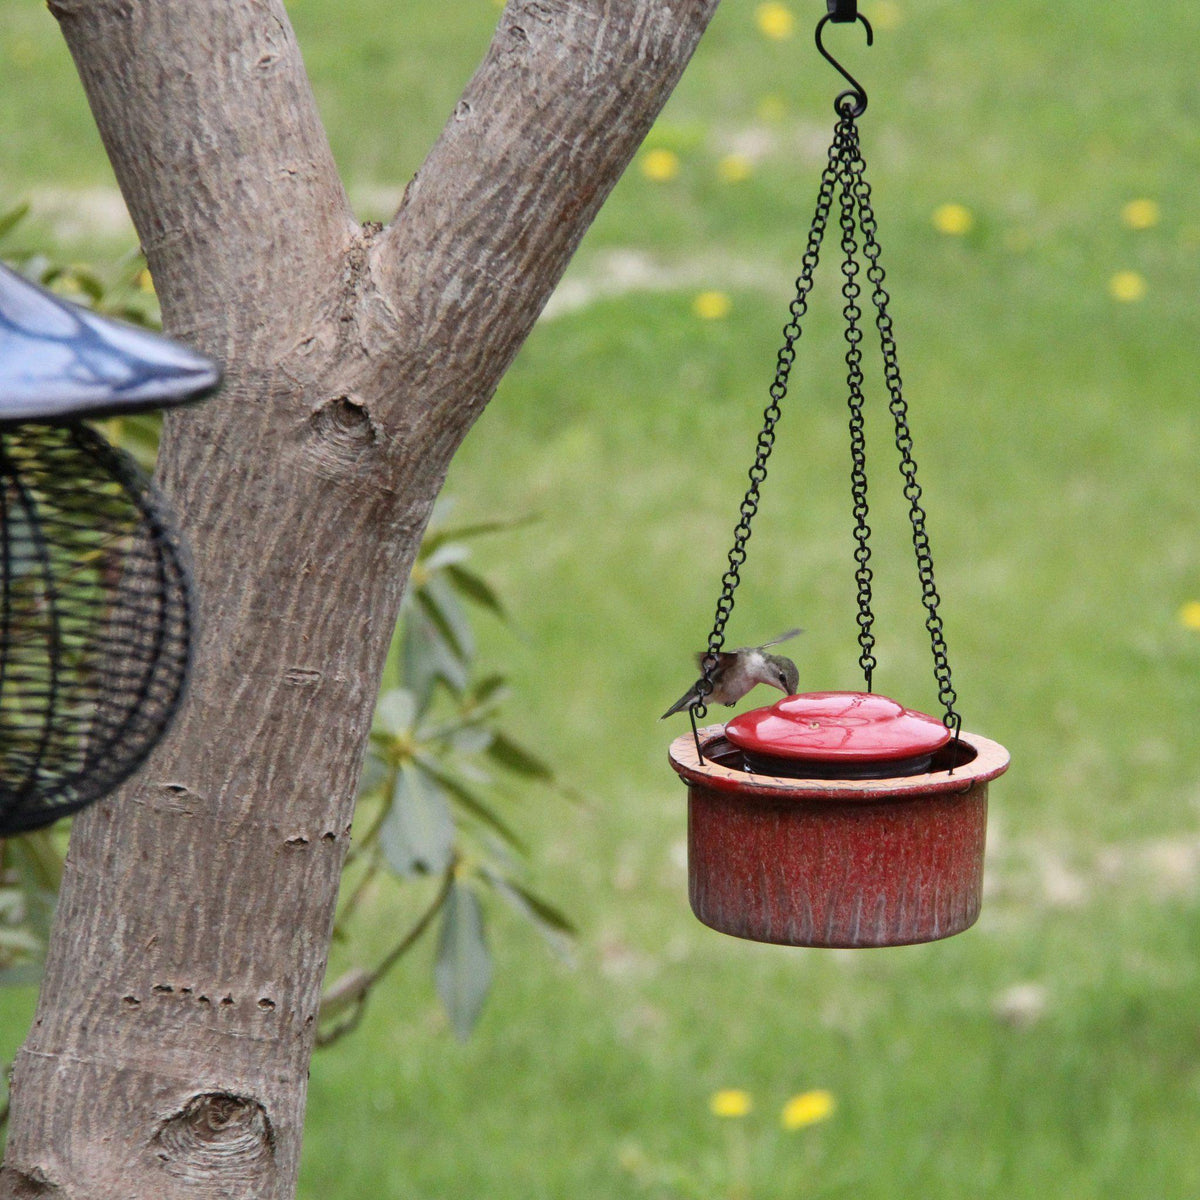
[517, 759]
[89, 283]
[11, 219]
[139, 433]
[491, 687]
[476, 588]
[463, 970]
[471, 739]
[425, 659]
[133, 314]
[554, 926]
[446, 555]
[374, 773]
[477, 807]
[12, 906]
[38, 858]
[463, 532]
[441, 606]
[396, 710]
[544, 911]
[418, 833]
[35, 267]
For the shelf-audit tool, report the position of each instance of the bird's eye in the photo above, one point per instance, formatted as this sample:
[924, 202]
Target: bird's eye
[783, 680]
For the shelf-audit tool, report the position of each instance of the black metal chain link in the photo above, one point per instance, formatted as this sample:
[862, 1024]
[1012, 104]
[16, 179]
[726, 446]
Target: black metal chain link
[766, 438]
[843, 170]
[856, 167]
[854, 380]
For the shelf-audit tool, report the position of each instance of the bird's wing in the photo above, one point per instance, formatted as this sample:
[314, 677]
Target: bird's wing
[684, 701]
[783, 637]
[722, 660]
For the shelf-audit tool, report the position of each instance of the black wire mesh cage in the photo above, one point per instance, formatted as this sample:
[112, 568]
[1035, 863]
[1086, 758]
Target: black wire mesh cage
[96, 609]
[95, 621]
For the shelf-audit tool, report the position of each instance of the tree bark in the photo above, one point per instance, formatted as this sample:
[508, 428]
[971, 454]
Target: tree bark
[169, 1054]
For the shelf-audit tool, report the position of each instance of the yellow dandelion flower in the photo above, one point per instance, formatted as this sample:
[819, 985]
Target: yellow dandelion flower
[807, 1109]
[734, 168]
[1141, 214]
[1189, 615]
[730, 1102]
[1127, 286]
[953, 220]
[712, 306]
[660, 166]
[884, 14]
[775, 21]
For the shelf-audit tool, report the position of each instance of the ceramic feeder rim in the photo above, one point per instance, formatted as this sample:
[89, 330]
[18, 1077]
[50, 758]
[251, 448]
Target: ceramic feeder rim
[991, 759]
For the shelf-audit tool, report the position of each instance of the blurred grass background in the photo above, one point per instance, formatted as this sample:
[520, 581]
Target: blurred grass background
[1049, 342]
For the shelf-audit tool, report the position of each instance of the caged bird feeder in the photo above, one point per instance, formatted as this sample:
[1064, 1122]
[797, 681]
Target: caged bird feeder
[838, 818]
[95, 596]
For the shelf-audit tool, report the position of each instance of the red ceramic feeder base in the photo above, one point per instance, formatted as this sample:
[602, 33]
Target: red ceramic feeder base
[852, 863]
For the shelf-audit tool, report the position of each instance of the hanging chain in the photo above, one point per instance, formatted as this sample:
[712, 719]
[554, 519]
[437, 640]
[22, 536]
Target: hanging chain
[854, 379]
[855, 168]
[766, 437]
[844, 170]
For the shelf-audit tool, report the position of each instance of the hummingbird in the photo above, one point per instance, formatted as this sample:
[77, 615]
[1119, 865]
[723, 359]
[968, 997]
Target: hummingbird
[737, 671]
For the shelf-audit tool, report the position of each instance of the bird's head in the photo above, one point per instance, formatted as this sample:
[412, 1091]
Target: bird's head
[784, 674]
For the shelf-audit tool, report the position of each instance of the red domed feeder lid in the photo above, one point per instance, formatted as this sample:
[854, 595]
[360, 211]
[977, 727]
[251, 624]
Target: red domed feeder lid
[846, 735]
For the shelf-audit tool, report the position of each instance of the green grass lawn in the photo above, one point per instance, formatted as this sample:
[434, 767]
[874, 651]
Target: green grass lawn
[1054, 1050]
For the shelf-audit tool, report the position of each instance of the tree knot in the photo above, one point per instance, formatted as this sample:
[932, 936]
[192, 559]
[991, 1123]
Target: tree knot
[345, 420]
[217, 1136]
[342, 433]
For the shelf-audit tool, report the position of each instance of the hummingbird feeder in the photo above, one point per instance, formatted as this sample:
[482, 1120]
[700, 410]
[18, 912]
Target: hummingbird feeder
[95, 594]
[838, 818]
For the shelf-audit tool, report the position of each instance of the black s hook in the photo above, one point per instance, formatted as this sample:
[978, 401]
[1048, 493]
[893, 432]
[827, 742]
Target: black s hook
[856, 93]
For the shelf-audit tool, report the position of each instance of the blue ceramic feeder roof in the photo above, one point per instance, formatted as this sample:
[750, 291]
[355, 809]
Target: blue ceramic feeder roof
[60, 362]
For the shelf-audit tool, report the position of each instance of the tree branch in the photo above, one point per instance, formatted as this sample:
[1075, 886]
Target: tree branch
[210, 123]
[541, 135]
[355, 986]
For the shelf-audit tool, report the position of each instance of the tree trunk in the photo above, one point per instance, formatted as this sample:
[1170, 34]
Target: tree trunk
[169, 1054]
